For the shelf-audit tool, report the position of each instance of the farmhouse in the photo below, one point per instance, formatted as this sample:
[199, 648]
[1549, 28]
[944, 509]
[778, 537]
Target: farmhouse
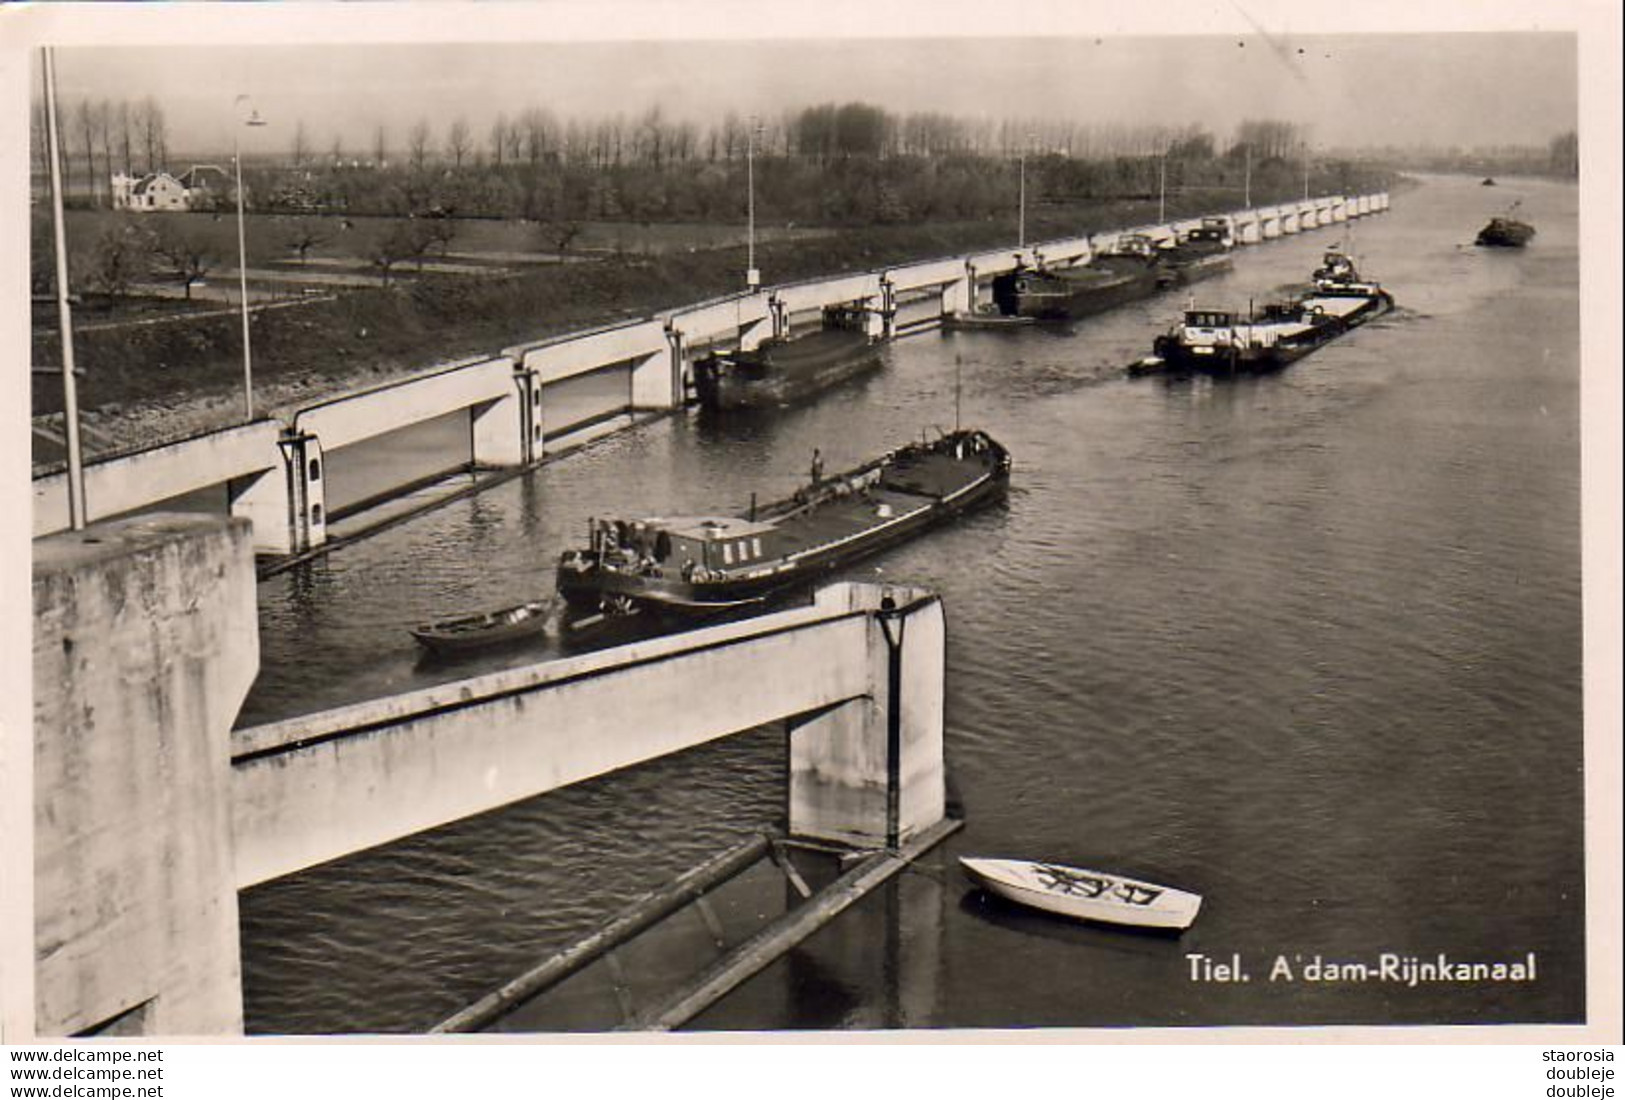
[201, 187]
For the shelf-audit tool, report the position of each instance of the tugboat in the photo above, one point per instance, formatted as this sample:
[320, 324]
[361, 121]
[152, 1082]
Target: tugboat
[1505, 232]
[784, 370]
[1130, 271]
[701, 564]
[1214, 341]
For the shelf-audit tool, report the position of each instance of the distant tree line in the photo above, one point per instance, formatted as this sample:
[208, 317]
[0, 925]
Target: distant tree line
[101, 137]
[845, 164]
[1559, 158]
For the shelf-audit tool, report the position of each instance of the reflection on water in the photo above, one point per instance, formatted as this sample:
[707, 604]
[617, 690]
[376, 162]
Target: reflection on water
[1307, 644]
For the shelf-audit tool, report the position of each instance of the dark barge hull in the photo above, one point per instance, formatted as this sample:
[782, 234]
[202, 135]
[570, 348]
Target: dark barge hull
[1505, 233]
[782, 372]
[1070, 296]
[589, 589]
[1182, 272]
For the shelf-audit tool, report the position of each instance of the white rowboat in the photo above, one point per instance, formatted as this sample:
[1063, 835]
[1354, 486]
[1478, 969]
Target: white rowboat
[1086, 895]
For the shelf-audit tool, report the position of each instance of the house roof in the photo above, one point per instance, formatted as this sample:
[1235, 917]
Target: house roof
[203, 175]
[148, 181]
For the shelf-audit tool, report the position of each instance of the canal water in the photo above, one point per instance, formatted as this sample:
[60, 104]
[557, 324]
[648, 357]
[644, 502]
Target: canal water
[1308, 644]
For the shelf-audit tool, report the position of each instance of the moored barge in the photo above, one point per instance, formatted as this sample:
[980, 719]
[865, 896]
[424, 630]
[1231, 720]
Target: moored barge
[1130, 271]
[1200, 254]
[1505, 233]
[698, 564]
[787, 369]
[1214, 341]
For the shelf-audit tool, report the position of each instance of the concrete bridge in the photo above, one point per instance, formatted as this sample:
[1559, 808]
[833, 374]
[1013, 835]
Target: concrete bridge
[150, 814]
[532, 400]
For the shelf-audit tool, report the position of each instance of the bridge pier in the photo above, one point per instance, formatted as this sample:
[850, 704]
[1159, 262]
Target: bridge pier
[869, 771]
[145, 643]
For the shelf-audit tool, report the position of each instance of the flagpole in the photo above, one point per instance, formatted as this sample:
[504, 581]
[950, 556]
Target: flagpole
[70, 394]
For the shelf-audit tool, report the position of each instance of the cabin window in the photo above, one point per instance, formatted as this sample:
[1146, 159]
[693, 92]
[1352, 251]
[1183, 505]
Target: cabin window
[316, 514]
[727, 553]
[756, 547]
[315, 469]
[662, 546]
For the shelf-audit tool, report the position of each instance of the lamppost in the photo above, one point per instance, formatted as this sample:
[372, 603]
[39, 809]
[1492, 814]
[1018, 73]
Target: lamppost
[753, 278]
[252, 119]
[1162, 186]
[1021, 193]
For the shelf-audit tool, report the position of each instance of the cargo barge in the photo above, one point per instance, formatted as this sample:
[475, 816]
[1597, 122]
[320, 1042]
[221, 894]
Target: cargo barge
[698, 564]
[1214, 341]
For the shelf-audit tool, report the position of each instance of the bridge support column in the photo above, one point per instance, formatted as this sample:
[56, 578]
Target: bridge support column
[262, 499]
[498, 430]
[307, 495]
[959, 296]
[870, 771]
[145, 643]
[651, 380]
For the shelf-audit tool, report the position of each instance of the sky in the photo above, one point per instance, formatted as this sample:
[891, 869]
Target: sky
[1350, 90]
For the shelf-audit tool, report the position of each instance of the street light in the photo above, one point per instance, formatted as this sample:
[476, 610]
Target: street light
[753, 277]
[252, 119]
[1021, 193]
[1162, 186]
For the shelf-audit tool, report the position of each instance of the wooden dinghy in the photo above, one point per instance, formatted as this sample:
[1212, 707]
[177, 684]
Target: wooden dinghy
[1083, 894]
[486, 628]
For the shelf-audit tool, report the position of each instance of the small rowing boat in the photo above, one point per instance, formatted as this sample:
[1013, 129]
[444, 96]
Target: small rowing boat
[1083, 894]
[486, 628]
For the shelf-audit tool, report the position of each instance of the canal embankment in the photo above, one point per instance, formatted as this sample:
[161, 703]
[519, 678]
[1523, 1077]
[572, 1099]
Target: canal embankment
[148, 383]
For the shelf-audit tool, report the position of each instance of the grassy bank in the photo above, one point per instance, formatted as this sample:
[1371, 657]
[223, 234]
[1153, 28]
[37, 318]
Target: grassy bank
[142, 383]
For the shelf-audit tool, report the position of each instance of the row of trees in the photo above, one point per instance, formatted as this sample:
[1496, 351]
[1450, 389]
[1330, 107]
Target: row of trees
[101, 137]
[851, 163]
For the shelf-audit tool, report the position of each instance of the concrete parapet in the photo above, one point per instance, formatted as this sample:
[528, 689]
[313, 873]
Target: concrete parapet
[817, 293]
[242, 456]
[365, 414]
[317, 787]
[145, 643]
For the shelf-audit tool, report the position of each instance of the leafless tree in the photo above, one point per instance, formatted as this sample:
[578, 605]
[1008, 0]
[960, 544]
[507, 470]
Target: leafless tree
[121, 255]
[537, 127]
[150, 127]
[104, 130]
[458, 142]
[301, 144]
[499, 139]
[417, 144]
[301, 235]
[124, 126]
[185, 258]
[84, 122]
[380, 147]
[42, 146]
